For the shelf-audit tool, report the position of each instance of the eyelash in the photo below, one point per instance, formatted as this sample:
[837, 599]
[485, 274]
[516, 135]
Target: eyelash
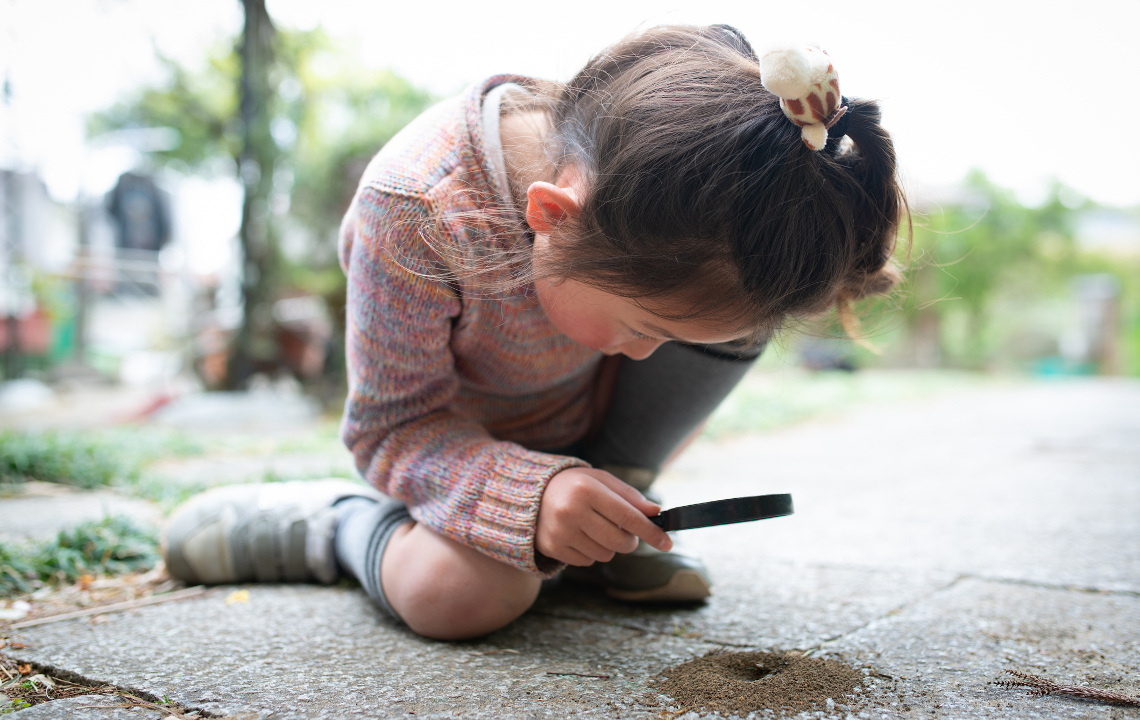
[639, 336]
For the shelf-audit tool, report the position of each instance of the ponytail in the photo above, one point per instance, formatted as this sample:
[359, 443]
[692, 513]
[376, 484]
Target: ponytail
[878, 207]
[699, 188]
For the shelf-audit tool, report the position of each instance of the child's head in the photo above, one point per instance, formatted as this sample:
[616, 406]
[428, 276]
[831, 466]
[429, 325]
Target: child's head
[696, 192]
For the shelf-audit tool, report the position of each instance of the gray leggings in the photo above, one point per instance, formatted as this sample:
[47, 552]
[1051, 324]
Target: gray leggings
[656, 404]
[660, 401]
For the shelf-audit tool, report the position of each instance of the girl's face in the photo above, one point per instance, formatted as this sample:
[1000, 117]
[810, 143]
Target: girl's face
[597, 319]
[614, 324]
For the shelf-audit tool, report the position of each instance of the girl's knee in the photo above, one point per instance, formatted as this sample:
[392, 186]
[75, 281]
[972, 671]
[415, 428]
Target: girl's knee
[446, 591]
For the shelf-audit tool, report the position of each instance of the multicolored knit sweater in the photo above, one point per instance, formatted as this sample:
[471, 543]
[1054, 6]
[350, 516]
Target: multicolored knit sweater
[450, 389]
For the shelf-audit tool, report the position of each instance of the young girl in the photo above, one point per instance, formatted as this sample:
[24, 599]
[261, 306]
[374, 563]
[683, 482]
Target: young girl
[550, 287]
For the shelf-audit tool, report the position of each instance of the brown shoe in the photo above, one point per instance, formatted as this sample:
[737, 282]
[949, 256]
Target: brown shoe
[648, 575]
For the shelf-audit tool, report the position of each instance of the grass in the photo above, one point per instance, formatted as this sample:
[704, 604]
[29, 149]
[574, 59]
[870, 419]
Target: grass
[86, 460]
[131, 460]
[17, 570]
[111, 546]
[64, 458]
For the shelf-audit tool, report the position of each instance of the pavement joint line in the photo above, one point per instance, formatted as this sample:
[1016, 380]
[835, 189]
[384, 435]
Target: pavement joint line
[74, 678]
[818, 647]
[1051, 586]
[953, 583]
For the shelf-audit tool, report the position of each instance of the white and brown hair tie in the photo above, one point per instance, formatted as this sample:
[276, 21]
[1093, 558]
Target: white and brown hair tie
[808, 87]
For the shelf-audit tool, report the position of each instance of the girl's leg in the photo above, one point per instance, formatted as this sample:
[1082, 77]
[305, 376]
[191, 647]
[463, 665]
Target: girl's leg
[317, 531]
[660, 402]
[656, 406]
[438, 587]
[448, 591]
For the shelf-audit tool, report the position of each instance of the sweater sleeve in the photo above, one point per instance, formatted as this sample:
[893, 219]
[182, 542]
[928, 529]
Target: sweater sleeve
[398, 422]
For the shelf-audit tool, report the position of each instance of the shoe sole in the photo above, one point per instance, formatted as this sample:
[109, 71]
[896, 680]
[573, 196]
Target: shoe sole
[684, 586]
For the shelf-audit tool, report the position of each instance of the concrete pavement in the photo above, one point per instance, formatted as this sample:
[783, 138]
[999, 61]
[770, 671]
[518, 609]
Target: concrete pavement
[934, 544]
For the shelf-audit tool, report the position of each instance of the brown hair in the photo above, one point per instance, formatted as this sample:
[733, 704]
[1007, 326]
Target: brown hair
[698, 187]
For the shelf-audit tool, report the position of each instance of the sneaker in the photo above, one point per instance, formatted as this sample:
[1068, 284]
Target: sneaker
[648, 575]
[271, 532]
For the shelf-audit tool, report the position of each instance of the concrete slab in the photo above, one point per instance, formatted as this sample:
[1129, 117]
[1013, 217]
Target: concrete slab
[934, 544]
[38, 510]
[274, 657]
[945, 651]
[1038, 482]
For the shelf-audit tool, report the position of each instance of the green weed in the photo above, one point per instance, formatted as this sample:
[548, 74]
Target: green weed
[67, 458]
[17, 571]
[113, 545]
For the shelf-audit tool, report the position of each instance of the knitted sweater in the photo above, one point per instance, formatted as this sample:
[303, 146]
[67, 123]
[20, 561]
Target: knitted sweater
[451, 391]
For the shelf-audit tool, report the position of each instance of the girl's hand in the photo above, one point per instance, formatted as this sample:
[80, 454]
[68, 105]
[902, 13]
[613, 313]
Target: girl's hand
[588, 516]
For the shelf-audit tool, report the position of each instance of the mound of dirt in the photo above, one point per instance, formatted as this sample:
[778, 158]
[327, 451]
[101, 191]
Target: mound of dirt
[737, 683]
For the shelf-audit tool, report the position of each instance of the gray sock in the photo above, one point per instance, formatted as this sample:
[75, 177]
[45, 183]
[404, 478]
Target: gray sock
[362, 534]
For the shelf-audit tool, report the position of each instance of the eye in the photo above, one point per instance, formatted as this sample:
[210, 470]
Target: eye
[639, 336]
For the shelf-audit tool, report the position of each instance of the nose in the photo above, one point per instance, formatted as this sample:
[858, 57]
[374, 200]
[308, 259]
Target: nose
[641, 348]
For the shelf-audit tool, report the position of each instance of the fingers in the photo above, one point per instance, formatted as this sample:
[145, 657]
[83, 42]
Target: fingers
[585, 540]
[608, 535]
[587, 515]
[630, 520]
[631, 495]
[630, 511]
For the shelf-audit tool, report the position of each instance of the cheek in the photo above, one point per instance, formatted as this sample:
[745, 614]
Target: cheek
[582, 323]
[582, 327]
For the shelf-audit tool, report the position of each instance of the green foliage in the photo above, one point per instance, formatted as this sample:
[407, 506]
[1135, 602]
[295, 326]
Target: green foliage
[990, 282]
[16, 705]
[17, 570]
[86, 459]
[70, 459]
[114, 545]
[990, 240]
[330, 113]
[201, 105]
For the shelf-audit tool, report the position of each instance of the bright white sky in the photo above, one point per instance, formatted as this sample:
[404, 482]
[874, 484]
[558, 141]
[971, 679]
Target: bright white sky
[1027, 91]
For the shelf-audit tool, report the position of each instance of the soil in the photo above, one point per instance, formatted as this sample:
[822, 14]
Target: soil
[737, 683]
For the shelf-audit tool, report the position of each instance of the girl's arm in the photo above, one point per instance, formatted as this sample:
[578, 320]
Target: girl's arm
[398, 421]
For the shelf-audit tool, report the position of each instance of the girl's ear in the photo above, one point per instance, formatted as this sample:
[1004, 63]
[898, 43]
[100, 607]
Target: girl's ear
[548, 205]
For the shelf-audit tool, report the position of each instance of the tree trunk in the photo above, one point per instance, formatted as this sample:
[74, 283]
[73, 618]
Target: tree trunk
[254, 343]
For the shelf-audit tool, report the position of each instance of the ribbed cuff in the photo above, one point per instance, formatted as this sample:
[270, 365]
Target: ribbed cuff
[506, 515]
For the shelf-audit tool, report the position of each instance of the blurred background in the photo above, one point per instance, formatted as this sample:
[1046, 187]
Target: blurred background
[172, 176]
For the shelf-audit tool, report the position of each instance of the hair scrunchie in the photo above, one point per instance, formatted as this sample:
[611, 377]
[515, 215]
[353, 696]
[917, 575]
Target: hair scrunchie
[808, 87]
